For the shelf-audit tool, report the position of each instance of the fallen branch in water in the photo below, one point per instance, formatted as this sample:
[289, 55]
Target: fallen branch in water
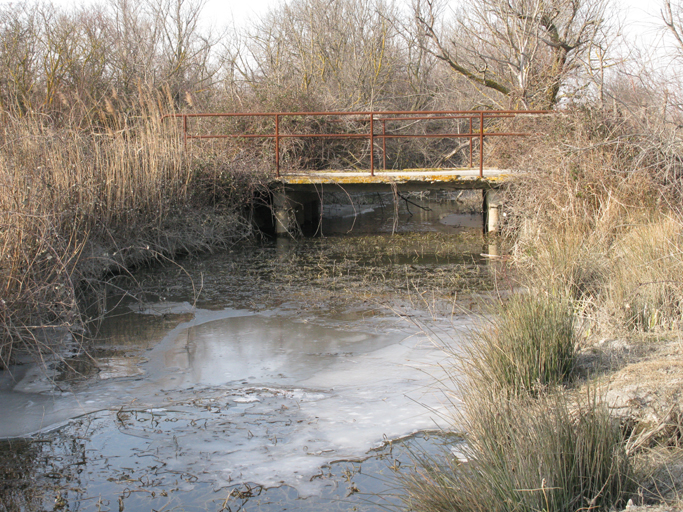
[409, 202]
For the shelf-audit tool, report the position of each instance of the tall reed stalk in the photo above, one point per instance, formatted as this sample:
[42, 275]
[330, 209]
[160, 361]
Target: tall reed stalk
[66, 190]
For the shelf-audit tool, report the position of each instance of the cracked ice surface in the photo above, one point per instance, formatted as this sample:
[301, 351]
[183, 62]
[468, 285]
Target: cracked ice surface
[232, 396]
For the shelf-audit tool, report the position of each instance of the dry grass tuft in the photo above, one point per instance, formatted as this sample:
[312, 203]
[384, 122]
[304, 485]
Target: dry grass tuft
[527, 454]
[529, 345]
[628, 278]
[645, 281]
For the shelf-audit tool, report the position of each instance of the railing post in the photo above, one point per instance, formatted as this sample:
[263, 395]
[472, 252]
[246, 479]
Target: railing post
[384, 144]
[372, 143]
[277, 146]
[481, 144]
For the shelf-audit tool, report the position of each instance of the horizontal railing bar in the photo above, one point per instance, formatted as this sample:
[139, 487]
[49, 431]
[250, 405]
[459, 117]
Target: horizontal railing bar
[365, 120]
[444, 135]
[427, 118]
[476, 113]
[424, 118]
[357, 135]
[288, 135]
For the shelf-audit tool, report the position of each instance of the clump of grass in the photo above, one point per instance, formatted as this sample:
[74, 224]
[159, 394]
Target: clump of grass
[645, 287]
[529, 345]
[529, 445]
[528, 454]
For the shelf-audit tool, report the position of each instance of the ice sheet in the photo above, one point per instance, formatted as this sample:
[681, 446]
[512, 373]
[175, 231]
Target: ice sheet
[240, 397]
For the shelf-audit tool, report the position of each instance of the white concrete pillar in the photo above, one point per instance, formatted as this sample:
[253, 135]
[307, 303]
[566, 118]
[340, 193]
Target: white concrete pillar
[493, 205]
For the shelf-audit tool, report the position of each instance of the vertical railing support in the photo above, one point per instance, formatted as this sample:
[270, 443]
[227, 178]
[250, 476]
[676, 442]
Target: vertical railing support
[384, 144]
[471, 135]
[481, 144]
[277, 145]
[185, 132]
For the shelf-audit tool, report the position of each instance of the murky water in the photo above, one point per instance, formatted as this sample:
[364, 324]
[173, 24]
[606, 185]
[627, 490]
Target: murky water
[288, 375]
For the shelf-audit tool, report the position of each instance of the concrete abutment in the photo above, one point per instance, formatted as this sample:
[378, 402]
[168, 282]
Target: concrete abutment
[294, 211]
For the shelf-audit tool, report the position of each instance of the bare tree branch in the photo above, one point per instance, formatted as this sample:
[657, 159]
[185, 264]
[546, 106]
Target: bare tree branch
[524, 49]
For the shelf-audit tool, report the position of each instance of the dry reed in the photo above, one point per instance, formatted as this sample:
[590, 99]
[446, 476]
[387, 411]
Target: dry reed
[78, 202]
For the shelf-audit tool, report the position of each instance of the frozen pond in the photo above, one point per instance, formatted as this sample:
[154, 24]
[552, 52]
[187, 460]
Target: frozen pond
[294, 364]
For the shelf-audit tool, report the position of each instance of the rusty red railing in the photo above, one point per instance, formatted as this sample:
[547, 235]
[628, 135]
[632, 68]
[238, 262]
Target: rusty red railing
[476, 131]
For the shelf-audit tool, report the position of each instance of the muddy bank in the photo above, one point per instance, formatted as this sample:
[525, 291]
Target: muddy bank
[641, 380]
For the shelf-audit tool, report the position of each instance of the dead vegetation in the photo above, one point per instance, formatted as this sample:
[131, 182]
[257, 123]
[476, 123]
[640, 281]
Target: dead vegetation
[77, 205]
[91, 182]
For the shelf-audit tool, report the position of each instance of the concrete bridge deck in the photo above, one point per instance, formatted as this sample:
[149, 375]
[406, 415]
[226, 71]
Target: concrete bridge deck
[406, 180]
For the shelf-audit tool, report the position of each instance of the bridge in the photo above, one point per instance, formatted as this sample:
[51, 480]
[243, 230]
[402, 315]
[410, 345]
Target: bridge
[296, 190]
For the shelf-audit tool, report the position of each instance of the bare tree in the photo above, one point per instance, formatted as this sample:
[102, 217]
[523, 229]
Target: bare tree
[524, 50]
[18, 57]
[94, 59]
[347, 53]
[133, 45]
[184, 49]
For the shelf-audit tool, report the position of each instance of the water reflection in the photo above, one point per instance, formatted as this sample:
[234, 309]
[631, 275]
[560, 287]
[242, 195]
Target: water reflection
[272, 351]
[91, 465]
[441, 212]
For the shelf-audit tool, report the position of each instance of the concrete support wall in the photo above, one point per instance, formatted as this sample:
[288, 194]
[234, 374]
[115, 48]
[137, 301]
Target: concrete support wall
[493, 211]
[294, 211]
